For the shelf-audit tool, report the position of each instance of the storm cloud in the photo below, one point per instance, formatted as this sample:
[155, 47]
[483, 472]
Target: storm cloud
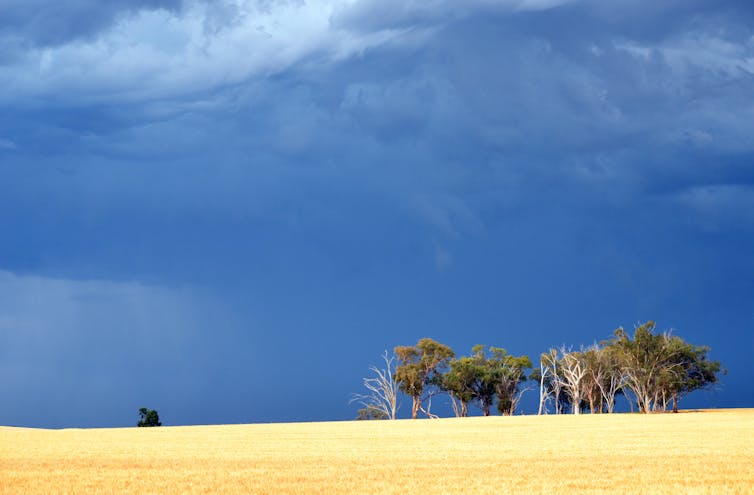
[350, 176]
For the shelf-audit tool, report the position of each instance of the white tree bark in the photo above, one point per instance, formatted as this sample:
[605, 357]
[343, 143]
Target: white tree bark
[455, 405]
[549, 368]
[642, 373]
[544, 395]
[516, 399]
[613, 381]
[573, 368]
[382, 387]
[427, 412]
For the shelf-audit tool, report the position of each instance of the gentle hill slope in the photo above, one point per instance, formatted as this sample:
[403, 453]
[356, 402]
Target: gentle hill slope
[691, 452]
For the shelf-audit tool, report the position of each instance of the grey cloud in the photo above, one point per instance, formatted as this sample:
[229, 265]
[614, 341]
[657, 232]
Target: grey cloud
[559, 154]
[403, 107]
[158, 55]
[49, 22]
[373, 15]
[220, 15]
[487, 115]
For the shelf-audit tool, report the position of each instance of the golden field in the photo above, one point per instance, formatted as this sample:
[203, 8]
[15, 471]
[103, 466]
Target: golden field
[687, 453]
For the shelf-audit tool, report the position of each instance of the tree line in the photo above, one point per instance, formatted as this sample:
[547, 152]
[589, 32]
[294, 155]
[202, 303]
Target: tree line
[652, 371]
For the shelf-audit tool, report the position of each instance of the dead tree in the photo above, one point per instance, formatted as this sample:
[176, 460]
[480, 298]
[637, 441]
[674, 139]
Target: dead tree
[573, 369]
[382, 387]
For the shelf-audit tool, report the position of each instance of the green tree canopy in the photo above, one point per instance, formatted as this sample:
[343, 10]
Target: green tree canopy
[371, 412]
[508, 373]
[662, 367]
[462, 381]
[148, 417]
[421, 366]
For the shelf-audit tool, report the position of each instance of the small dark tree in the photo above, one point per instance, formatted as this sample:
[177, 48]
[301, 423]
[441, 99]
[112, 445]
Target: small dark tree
[148, 417]
[371, 412]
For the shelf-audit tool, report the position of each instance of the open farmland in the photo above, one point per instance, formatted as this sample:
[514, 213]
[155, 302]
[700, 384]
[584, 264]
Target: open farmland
[692, 452]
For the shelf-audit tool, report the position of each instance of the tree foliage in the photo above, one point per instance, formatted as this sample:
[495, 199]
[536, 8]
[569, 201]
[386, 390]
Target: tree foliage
[660, 367]
[148, 417]
[651, 370]
[461, 382]
[371, 412]
[508, 374]
[420, 369]
[481, 379]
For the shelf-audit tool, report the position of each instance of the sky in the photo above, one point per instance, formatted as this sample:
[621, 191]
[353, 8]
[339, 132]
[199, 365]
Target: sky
[226, 210]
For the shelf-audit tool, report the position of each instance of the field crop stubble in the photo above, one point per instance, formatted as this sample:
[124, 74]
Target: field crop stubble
[692, 452]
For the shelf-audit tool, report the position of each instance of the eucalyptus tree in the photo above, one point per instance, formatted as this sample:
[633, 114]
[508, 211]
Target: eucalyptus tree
[419, 371]
[693, 371]
[607, 375]
[661, 367]
[479, 379]
[550, 382]
[508, 373]
[460, 381]
[561, 379]
[487, 379]
[573, 369]
[471, 380]
[646, 361]
[596, 372]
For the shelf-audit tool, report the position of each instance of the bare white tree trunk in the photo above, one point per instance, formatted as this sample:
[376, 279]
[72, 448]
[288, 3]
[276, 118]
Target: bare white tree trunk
[610, 386]
[516, 399]
[426, 411]
[544, 395]
[572, 372]
[460, 408]
[596, 374]
[556, 395]
[548, 366]
[382, 387]
[643, 374]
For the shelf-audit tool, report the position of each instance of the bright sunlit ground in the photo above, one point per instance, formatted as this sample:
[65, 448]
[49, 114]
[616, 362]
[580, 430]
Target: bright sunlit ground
[691, 452]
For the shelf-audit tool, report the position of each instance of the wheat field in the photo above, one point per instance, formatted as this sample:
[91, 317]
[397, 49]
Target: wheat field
[688, 453]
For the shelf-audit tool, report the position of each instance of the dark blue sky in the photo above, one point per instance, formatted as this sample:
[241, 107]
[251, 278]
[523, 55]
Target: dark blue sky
[226, 210]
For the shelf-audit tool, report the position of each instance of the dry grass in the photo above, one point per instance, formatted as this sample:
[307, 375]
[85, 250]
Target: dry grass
[695, 452]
